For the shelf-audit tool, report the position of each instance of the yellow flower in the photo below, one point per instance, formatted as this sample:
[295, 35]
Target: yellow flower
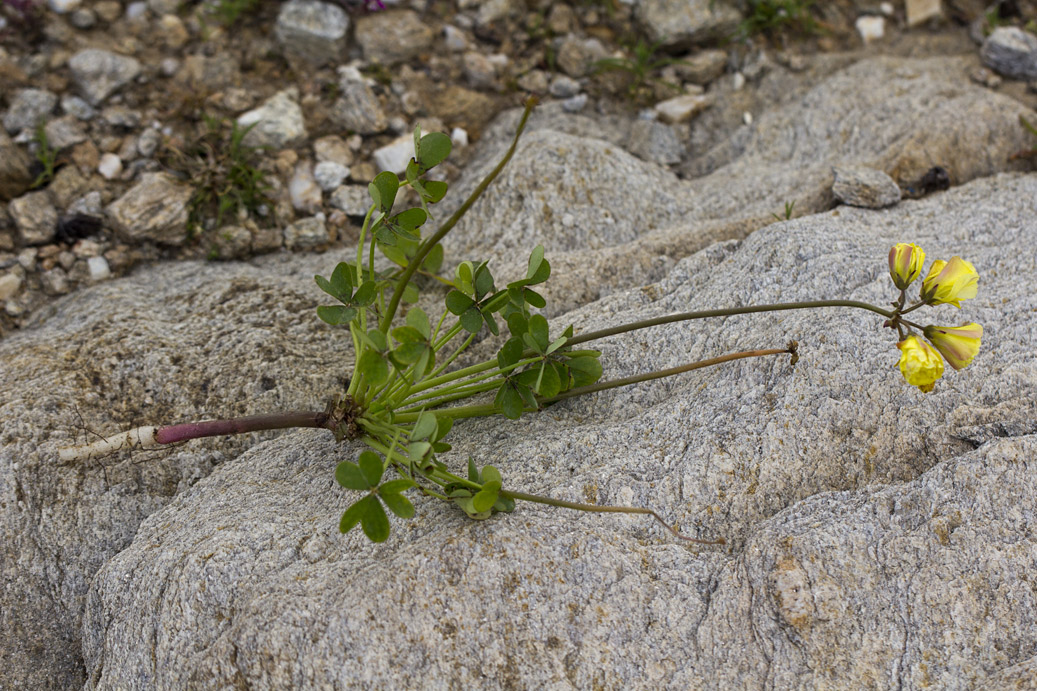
[905, 263]
[958, 344]
[950, 282]
[920, 364]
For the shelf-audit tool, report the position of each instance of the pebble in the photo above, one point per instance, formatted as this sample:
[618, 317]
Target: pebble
[454, 39]
[333, 148]
[307, 234]
[75, 106]
[357, 109]
[534, 81]
[1011, 52]
[174, 33]
[84, 18]
[54, 281]
[35, 217]
[148, 142]
[110, 166]
[108, 10]
[280, 121]
[564, 87]
[395, 155]
[922, 11]
[479, 70]
[137, 11]
[304, 190]
[100, 73]
[329, 174]
[459, 137]
[871, 27]
[10, 284]
[985, 77]
[575, 104]
[354, 200]
[315, 31]
[682, 108]
[703, 67]
[28, 108]
[154, 209]
[576, 56]
[98, 268]
[65, 131]
[63, 6]
[393, 37]
[232, 242]
[653, 141]
[865, 187]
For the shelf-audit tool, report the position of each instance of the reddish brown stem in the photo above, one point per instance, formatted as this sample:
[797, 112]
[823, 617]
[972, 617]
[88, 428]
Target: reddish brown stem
[240, 425]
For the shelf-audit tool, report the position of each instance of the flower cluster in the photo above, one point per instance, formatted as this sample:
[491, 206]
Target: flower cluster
[948, 282]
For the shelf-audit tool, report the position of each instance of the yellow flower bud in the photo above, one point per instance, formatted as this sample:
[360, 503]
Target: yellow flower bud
[950, 282]
[905, 263]
[920, 364]
[958, 344]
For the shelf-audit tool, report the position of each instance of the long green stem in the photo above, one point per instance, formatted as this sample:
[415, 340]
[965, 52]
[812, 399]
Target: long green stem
[594, 508]
[659, 374]
[725, 312]
[431, 241]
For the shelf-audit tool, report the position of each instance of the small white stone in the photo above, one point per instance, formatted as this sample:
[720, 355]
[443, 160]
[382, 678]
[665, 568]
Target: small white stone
[9, 285]
[886, 8]
[329, 174]
[110, 166]
[871, 28]
[303, 189]
[99, 269]
[455, 39]
[459, 137]
[136, 10]
[747, 118]
[395, 155]
[682, 108]
[738, 81]
[922, 11]
[63, 6]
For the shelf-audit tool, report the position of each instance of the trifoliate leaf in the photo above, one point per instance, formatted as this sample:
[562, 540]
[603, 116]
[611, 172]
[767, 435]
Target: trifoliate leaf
[374, 368]
[471, 320]
[371, 466]
[397, 503]
[457, 302]
[425, 426]
[383, 190]
[433, 149]
[350, 476]
[418, 320]
[336, 314]
[374, 521]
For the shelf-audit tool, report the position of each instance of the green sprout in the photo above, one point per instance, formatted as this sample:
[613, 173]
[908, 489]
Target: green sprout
[772, 16]
[46, 155]
[224, 172]
[640, 67]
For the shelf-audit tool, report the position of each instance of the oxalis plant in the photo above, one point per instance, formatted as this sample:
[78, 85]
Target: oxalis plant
[406, 393]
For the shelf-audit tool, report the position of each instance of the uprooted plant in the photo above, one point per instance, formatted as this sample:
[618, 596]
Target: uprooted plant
[405, 394]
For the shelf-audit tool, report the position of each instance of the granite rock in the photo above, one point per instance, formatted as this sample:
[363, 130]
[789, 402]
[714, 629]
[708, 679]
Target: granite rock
[864, 519]
[357, 109]
[159, 345]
